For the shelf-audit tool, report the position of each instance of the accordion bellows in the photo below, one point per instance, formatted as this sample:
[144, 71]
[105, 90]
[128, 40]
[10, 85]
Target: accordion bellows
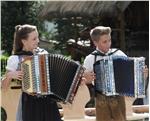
[120, 76]
[51, 74]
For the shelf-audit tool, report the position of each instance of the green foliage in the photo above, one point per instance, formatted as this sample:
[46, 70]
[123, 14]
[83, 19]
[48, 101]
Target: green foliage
[3, 59]
[3, 114]
[70, 28]
[4, 56]
[14, 13]
[65, 31]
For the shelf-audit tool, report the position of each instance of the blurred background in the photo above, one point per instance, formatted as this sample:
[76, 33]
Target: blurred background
[64, 26]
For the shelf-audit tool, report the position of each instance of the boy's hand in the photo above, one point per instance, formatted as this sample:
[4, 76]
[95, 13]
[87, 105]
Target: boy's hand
[88, 77]
[145, 72]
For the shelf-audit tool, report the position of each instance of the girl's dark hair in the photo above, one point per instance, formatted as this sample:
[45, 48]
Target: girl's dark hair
[21, 32]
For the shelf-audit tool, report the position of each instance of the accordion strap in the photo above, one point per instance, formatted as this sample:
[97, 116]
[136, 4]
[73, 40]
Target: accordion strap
[20, 59]
[98, 53]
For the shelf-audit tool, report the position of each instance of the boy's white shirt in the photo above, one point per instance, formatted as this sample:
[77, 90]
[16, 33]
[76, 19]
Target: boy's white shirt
[89, 60]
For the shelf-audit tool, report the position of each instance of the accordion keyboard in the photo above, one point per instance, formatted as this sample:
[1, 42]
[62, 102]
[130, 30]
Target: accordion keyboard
[52, 74]
[26, 76]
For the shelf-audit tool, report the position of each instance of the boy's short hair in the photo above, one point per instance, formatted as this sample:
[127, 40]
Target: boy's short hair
[98, 31]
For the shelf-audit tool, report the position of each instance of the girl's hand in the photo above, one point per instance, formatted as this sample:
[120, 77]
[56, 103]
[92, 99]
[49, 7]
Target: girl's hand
[15, 75]
[5, 82]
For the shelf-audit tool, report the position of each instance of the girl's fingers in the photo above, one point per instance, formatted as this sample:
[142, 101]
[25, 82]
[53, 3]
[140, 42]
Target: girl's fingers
[83, 80]
[20, 73]
[20, 77]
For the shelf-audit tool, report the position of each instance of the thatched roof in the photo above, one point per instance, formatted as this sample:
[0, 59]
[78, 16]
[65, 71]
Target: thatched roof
[53, 9]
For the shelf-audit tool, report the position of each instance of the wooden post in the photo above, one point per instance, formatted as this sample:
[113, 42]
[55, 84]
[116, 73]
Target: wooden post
[122, 32]
[76, 29]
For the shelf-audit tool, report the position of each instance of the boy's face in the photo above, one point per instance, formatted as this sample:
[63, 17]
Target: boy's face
[104, 43]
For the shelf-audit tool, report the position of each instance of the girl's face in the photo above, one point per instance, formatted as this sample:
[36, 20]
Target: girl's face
[104, 43]
[31, 42]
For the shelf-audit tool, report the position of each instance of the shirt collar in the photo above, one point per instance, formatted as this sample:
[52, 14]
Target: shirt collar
[103, 52]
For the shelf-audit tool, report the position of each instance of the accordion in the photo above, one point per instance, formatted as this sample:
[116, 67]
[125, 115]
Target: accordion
[51, 74]
[120, 76]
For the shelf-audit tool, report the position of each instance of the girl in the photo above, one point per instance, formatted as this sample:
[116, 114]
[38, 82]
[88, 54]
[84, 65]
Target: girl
[30, 108]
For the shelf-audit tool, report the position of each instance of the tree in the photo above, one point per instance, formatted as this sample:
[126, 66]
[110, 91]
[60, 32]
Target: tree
[14, 13]
[74, 28]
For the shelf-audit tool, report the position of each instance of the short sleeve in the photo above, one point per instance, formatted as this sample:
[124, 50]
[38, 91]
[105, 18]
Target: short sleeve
[120, 53]
[88, 62]
[12, 63]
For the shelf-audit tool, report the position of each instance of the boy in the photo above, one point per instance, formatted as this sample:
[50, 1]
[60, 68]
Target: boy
[108, 108]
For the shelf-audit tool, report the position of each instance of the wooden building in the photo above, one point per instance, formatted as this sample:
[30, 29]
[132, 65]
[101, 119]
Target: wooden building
[129, 21]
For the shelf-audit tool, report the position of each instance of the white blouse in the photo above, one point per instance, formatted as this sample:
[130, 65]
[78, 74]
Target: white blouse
[13, 61]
